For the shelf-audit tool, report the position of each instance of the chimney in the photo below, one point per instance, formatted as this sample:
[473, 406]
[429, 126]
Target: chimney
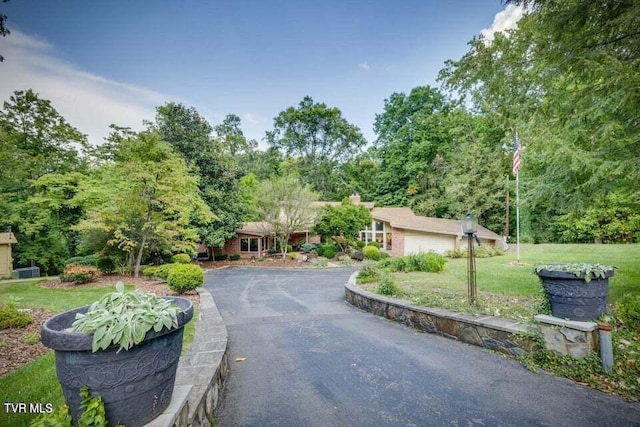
[355, 198]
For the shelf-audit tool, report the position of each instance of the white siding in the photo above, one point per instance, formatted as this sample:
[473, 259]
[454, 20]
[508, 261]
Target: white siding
[425, 242]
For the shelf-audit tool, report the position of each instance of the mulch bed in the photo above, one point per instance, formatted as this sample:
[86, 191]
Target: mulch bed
[15, 351]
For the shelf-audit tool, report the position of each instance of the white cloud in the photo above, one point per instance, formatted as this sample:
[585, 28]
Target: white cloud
[504, 20]
[249, 118]
[87, 101]
[365, 66]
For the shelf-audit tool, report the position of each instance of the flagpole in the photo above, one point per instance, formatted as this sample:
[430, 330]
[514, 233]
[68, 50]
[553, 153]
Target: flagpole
[518, 216]
[518, 201]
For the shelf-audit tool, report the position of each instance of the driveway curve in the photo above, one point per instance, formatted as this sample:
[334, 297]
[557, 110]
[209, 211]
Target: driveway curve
[300, 356]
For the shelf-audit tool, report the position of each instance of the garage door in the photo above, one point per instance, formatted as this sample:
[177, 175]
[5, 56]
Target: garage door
[414, 243]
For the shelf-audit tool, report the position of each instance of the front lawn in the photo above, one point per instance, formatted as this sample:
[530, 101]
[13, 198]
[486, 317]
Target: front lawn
[36, 382]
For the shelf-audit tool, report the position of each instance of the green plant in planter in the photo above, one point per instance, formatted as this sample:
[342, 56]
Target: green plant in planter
[580, 270]
[124, 318]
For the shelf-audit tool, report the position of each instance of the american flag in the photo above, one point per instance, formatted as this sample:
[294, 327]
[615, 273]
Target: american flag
[516, 155]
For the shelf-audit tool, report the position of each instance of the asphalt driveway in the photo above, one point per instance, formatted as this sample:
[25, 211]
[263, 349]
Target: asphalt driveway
[313, 360]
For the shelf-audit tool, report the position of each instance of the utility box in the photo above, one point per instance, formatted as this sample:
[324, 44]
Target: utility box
[6, 261]
[27, 272]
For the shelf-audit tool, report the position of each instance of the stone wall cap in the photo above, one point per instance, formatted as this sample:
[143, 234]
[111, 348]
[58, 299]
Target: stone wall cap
[572, 324]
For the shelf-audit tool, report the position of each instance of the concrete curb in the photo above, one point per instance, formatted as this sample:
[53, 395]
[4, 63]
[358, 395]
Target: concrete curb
[493, 333]
[201, 372]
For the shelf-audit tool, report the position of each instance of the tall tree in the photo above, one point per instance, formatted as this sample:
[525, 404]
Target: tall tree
[35, 140]
[345, 221]
[567, 79]
[190, 133]
[144, 200]
[4, 31]
[230, 134]
[320, 139]
[286, 206]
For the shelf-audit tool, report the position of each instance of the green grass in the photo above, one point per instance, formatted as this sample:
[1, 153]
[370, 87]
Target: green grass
[510, 289]
[36, 382]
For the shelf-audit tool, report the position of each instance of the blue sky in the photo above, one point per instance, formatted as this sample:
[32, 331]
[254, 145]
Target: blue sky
[105, 62]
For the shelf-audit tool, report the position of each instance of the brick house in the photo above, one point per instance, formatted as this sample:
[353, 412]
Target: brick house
[398, 231]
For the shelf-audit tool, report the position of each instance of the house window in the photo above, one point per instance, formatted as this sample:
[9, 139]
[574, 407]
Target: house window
[373, 232]
[249, 244]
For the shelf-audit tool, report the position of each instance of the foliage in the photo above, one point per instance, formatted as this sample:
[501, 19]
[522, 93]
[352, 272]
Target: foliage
[628, 310]
[220, 257]
[374, 244]
[35, 198]
[565, 78]
[11, 317]
[286, 206]
[371, 252]
[486, 251]
[388, 287]
[93, 413]
[217, 172]
[580, 270]
[320, 139]
[345, 260]
[321, 262]
[428, 262]
[58, 418]
[346, 220]
[124, 318]
[185, 277]
[456, 253]
[160, 271]
[360, 244]
[88, 260]
[329, 251]
[234, 257]
[308, 247]
[292, 255]
[368, 274]
[106, 265]
[143, 202]
[181, 259]
[79, 274]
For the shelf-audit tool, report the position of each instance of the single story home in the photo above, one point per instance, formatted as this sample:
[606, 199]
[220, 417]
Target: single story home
[6, 261]
[398, 231]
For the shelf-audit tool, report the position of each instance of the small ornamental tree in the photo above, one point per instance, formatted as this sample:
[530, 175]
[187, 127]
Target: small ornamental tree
[346, 221]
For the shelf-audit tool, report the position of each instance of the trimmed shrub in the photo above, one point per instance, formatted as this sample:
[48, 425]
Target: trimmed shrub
[106, 265]
[329, 252]
[181, 259]
[91, 260]
[289, 248]
[221, 257]
[628, 310]
[374, 244]
[185, 277]
[388, 287]
[234, 257]
[292, 255]
[159, 271]
[11, 317]
[79, 274]
[360, 244]
[371, 252]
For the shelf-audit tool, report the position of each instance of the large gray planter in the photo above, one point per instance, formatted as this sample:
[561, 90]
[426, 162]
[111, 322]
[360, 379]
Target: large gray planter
[573, 297]
[136, 385]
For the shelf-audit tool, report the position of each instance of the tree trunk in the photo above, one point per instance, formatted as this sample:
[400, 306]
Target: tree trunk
[136, 271]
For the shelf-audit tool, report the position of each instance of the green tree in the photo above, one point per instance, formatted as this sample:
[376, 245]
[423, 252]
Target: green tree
[230, 134]
[190, 133]
[567, 79]
[145, 200]
[286, 206]
[345, 220]
[320, 139]
[35, 140]
[4, 31]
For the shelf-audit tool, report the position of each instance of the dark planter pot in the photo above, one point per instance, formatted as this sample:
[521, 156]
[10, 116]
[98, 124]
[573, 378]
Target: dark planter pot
[572, 297]
[136, 385]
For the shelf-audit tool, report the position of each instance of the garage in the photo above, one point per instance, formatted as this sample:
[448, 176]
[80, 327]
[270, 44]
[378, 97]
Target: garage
[425, 242]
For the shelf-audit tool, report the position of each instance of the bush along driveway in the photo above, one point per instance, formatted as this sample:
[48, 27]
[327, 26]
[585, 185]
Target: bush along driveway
[300, 355]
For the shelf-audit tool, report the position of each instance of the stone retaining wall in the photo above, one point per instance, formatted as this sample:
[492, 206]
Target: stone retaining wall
[201, 372]
[490, 332]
